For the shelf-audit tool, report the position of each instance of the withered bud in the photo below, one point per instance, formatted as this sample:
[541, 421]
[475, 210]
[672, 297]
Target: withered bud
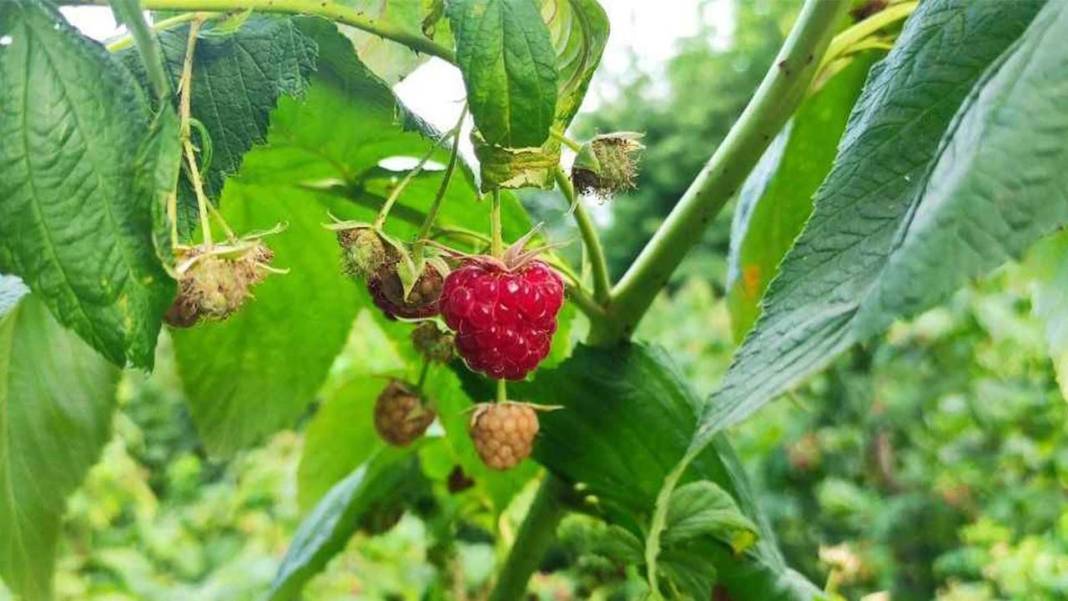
[607, 164]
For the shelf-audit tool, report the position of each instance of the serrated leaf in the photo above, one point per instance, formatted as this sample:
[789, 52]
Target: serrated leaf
[56, 399]
[75, 201]
[237, 81]
[334, 520]
[508, 62]
[776, 199]
[887, 236]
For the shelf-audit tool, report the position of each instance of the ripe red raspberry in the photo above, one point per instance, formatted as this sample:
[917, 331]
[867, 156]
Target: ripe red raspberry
[387, 292]
[503, 433]
[504, 318]
[400, 416]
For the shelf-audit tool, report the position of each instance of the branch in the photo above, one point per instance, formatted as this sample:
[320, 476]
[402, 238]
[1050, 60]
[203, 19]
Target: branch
[330, 9]
[775, 100]
[535, 535]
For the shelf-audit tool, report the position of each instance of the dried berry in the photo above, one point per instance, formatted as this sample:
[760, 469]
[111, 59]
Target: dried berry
[215, 282]
[433, 343]
[400, 415]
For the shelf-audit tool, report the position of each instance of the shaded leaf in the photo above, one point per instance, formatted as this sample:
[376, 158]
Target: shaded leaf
[337, 516]
[56, 399]
[75, 196]
[256, 372]
[238, 77]
[388, 59]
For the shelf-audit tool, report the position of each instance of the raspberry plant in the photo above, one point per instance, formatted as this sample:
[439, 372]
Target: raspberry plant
[162, 178]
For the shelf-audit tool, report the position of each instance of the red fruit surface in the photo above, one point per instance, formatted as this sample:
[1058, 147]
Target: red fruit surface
[504, 319]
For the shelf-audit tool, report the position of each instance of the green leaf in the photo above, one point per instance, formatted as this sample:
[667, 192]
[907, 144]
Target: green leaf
[887, 236]
[237, 81]
[704, 509]
[257, 371]
[56, 399]
[508, 62]
[776, 199]
[629, 398]
[389, 60]
[341, 435]
[75, 195]
[384, 478]
[579, 32]
[1048, 263]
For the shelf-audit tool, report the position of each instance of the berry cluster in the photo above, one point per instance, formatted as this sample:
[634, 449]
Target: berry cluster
[213, 283]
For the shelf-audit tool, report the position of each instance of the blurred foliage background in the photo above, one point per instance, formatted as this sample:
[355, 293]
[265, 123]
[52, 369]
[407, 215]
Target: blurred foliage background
[932, 463]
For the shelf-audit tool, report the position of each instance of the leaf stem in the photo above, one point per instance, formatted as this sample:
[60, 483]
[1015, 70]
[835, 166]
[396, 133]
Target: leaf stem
[778, 96]
[435, 205]
[843, 42]
[185, 86]
[496, 238]
[330, 9]
[383, 213]
[536, 534]
[590, 240]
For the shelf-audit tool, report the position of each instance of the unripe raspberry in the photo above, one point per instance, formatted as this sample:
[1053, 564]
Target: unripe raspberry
[215, 285]
[363, 251]
[433, 343]
[503, 433]
[400, 416]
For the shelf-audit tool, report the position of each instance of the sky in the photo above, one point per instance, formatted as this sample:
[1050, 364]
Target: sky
[646, 30]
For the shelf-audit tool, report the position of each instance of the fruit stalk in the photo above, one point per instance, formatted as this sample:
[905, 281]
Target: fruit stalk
[592, 243]
[781, 91]
[383, 213]
[185, 86]
[435, 206]
[496, 236]
[535, 536]
[330, 9]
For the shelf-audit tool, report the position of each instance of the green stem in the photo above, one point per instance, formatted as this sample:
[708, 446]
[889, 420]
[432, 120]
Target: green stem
[775, 100]
[592, 242]
[435, 205]
[422, 375]
[162, 25]
[536, 534]
[502, 390]
[563, 139]
[330, 9]
[383, 213]
[129, 13]
[496, 237]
